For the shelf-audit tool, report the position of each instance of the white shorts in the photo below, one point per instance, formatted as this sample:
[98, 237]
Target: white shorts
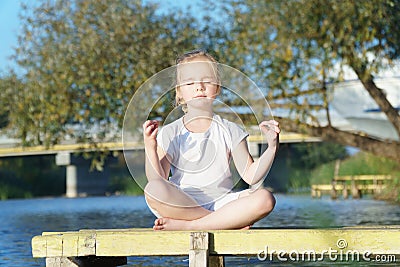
[212, 206]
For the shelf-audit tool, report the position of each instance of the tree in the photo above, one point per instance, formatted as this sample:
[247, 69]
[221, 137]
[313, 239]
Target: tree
[82, 61]
[294, 47]
[6, 83]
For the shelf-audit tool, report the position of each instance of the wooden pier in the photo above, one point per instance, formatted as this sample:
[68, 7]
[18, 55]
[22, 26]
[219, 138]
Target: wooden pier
[357, 185]
[207, 248]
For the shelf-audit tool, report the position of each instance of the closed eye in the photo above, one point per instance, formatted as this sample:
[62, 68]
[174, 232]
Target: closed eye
[187, 83]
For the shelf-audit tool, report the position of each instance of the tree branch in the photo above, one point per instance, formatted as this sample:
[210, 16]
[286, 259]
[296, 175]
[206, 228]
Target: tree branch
[379, 97]
[385, 148]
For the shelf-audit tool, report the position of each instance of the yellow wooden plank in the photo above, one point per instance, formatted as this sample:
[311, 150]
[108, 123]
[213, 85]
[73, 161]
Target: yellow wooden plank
[374, 227]
[326, 187]
[142, 243]
[363, 177]
[39, 246]
[86, 243]
[146, 242]
[386, 241]
[118, 230]
[58, 233]
[54, 244]
[70, 245]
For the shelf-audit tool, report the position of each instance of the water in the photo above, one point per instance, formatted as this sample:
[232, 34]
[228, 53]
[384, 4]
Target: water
[23, 219]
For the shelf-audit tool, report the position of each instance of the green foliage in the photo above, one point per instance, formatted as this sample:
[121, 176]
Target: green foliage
[125, 185]
[366, 163]
[83, 60]
[121, 181]
[31, 176]
[359, 164]
[10, 85]
[295, 48]
[306, 157]
[296, 163]
[311, 155]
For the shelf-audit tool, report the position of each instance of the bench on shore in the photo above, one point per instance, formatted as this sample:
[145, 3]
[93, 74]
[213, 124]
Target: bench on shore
[207, 248]
[358, 184]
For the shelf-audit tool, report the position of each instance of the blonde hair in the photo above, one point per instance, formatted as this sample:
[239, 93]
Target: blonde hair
[187, 57]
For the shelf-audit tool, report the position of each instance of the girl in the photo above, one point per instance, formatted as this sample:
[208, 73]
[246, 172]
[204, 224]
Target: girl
[197, 149]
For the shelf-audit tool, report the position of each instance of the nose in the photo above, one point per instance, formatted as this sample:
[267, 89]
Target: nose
[200, 86]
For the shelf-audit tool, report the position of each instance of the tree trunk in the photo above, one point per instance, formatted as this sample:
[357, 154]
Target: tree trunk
[379, 97]
[389, 149]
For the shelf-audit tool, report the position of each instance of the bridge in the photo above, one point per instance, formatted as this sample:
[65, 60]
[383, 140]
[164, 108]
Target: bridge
[81, 181]
[16, 150]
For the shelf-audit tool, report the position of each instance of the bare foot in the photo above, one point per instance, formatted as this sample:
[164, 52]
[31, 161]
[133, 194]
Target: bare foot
[170, 224]
[174, 224]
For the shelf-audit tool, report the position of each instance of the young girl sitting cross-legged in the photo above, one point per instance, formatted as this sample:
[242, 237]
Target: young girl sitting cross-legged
[196, 150]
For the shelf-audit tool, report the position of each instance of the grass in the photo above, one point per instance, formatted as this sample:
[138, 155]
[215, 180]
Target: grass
[358, 164]
[362, 163]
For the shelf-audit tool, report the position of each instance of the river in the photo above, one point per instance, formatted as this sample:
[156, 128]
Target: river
[23, 219]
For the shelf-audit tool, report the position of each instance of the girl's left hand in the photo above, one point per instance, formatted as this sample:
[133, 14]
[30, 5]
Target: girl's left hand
[271, 130]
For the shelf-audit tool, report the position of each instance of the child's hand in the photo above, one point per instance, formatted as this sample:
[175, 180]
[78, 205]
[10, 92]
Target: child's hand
[150, 129]
[271, 130]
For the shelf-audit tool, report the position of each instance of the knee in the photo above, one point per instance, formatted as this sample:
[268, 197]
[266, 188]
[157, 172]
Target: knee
[264, 201]
[156, 190]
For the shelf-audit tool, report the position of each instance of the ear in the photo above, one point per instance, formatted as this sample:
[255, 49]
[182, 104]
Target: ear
[178, 97]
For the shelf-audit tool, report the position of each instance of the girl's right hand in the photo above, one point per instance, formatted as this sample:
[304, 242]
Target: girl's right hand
[150, 129]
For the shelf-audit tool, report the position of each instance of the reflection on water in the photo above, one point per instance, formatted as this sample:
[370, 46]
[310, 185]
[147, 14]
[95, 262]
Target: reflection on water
[22, 219]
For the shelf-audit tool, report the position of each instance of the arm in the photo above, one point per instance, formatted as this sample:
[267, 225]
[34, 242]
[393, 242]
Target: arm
[254, 171]
[156, 163]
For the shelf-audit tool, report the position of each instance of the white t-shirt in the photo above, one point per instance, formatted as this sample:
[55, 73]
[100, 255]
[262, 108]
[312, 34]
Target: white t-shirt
[200, 161]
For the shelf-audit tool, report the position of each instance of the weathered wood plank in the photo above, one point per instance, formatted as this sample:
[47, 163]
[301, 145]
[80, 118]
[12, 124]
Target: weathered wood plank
[144, 242]
[377, 241]
[60, 262]
[87, 243]
[39, 247]
[70, 245]
[326, 187]
[371, 177]
[198, 249]
[54, 245]
[67, 244]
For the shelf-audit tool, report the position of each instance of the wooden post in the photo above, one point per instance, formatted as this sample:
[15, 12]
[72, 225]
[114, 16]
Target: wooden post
[355, 193]
[345, 192]
[313, 192]
[337, 167]
[60, 262]
[216, 261]
[198, 253]
[377, 187]
[333, 191]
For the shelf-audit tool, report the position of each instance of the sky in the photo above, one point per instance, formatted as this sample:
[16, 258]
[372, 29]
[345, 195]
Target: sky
[10, 25]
